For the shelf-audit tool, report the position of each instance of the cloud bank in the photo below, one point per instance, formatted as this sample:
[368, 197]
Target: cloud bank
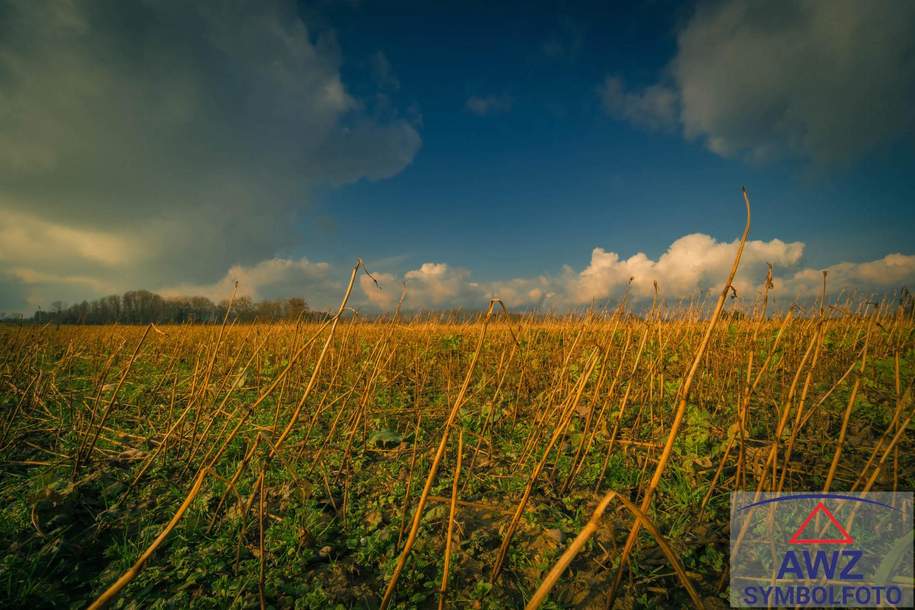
[693, 266]
[825, 82]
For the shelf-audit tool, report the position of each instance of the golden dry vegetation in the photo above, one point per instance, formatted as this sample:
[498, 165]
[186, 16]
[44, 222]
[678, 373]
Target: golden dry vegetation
[315, 465]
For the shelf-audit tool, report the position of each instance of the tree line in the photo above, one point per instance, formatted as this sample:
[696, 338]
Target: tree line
[143, 307]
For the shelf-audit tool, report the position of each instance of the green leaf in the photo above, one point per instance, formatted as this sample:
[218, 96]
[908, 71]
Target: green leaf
[385, 438]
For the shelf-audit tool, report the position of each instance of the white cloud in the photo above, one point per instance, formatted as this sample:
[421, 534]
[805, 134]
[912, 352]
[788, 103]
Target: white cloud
[694, 265]
[654, 107]
[823, 81]
[566, 41]
[438, 285]
[270, 279]
[431, 286]
[489, 104]
[380, 292]
[383, 72]
[882, 276]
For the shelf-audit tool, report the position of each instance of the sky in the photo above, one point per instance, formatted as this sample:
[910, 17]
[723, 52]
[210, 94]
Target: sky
[529, 151]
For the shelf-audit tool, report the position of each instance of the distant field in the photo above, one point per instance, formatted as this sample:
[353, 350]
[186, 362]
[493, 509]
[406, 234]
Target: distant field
[284, 464]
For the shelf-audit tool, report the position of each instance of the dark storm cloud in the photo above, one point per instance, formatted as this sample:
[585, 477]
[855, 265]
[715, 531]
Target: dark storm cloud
[187, 135]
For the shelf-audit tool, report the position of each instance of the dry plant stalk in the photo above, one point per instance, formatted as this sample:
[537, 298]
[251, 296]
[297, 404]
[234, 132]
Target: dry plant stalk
[851, 403]
[559, 431]
[433, 469]
[131, 573]
[590, 527]
[406, 495]
[443, 590]
[85, 451]
[743, 408]
[681, 409]
[262, 560]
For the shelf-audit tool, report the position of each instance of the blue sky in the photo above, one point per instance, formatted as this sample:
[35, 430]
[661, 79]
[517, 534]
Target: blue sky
[475, 149]
[532, 187]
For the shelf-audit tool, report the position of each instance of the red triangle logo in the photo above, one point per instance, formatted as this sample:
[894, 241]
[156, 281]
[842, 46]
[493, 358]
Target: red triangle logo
[821, 508]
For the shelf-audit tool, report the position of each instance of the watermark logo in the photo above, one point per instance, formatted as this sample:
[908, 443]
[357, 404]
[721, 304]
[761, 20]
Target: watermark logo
[839, 549]
[821, 508]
